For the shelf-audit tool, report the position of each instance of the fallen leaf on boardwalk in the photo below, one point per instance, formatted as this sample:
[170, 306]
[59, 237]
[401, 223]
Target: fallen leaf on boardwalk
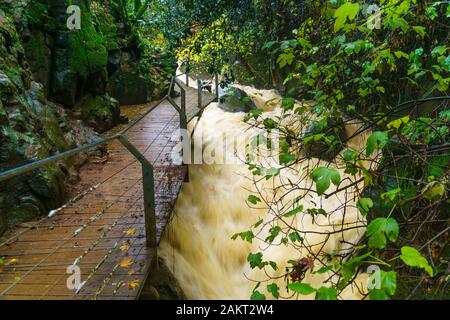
[12, 261]
[125, 263]
[17, 278]
[125, 247]
[132, 272]
[133, 284]
[103, 228]
[131, 232]
[1, 270]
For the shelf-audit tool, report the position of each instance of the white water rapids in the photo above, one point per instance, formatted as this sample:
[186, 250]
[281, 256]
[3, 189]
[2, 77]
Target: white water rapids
[212, 207]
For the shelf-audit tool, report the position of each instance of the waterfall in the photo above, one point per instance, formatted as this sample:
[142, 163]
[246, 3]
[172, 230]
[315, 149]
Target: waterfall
[212, 207]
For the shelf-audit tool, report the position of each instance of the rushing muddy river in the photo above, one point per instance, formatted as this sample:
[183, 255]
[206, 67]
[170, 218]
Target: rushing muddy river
[212, 207]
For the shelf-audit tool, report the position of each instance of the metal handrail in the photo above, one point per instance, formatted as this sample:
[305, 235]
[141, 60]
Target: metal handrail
[147, 167]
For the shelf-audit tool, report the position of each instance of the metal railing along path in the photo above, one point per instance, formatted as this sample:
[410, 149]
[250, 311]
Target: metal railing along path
[147, 168]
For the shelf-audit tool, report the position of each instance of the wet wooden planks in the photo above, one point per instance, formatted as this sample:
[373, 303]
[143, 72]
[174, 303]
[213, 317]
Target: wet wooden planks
[103, 233]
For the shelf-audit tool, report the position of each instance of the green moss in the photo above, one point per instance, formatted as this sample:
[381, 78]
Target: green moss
[37, 47]
[38, 16]
[106, 25]
[87, 48]
[100, 112]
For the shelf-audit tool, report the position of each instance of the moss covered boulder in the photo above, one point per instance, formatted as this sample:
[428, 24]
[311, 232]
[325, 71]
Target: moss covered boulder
[100, 112]
[129, 87]
[236, 100]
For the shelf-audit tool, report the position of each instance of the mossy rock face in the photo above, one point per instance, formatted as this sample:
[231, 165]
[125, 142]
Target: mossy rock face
[87, 49]
[30, 129]
[99, 112]
[38, 16]
[129, 87]
[38, 55]
[79, 57]
[107, 25]
[236, 100]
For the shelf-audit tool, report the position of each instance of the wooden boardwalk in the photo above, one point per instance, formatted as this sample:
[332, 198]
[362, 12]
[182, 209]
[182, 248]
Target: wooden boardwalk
[102, 232]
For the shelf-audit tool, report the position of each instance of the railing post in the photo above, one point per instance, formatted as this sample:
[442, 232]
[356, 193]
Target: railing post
[183, 102]
[216, 78]
[199, 93]
[187, 79]
[148, 183]
[149, 206]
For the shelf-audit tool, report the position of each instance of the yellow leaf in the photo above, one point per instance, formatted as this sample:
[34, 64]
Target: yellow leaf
[131, 272]
[397, 123]
[125, 263]
[434, 190]
[125, 247]
[131, 232]
[12, 261]
[133, 284]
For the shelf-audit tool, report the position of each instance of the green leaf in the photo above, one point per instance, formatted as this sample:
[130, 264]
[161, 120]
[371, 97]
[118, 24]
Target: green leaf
[378, 294]
[420, 31]
[377, 139]
[347, 11]
[391, 194]
[323, 178]
[257, 224]
[246, 236]
[349, 155]
[270, 123]
[388, 281]
[381, 229]
[274, 290]
[274, 232]
[301, 288]
[385, 281]
[287, 158]
[438, 165]
[294, 212]
[438, 51]
[323, 270]
[287, 103]
[411, 257]
[295, 237]
[255, 260]
[364, 205]
[253, 199]
[285, 59]
[324, 293]
[256, 295]
[273, 265]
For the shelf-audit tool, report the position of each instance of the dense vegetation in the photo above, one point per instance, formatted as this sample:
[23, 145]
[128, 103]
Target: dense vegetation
[385, 66]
